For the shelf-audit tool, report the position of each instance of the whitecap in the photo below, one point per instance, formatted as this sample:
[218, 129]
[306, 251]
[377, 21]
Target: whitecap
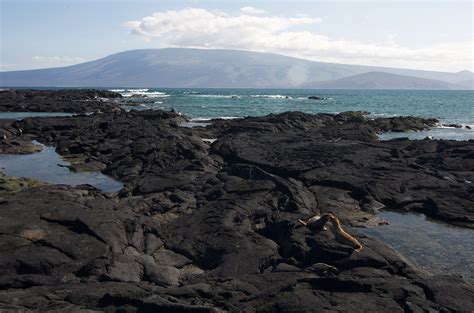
[218, 96]
[145, 93]
[271, 96]
[200, 119]
[227, 117]
[446, 125]
[204, 119]
[137, 90]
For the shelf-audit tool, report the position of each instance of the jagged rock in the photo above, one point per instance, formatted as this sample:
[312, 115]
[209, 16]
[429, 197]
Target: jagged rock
[213, 228]
[70, 101]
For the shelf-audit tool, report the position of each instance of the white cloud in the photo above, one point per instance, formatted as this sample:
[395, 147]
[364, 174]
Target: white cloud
[203, 27]
[199, 28]
[252, 11]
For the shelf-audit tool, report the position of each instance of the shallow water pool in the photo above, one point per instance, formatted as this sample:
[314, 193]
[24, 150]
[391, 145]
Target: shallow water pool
[22, 115]
[444, 133]
[436, 247]
[194, 124]
[48, 166]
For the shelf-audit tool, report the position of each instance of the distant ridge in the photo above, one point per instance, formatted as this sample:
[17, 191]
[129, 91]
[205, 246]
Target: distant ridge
[381, 80]
[215, 68]
[467, 84]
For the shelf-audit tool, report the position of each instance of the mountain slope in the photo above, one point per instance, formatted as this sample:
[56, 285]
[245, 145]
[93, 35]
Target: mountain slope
[467, 84]
[381, 80]
[178, 67]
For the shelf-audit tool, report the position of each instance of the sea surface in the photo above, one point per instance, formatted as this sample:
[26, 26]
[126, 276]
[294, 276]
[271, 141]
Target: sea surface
[450, 107]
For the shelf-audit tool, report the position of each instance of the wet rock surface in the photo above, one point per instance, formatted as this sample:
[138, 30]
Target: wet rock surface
[69, 101]
[203, 227]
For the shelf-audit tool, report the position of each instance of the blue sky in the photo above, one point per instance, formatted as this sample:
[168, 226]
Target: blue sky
[435, 34]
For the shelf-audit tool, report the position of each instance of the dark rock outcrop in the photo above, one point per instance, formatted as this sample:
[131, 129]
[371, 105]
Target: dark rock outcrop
[205, 227]
[70, 101]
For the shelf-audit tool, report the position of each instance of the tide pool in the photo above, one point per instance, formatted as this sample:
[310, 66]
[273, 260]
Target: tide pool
[48, 166]
[436, 247]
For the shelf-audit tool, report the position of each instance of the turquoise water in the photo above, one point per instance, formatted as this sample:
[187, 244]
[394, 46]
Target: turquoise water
[48, 166]
[447, 106]
[435, 133]
[436, 247]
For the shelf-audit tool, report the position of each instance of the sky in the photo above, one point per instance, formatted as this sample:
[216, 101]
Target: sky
[427, 34]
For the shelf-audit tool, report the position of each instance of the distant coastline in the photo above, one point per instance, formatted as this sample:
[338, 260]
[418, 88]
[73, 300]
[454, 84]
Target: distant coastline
[215, 68]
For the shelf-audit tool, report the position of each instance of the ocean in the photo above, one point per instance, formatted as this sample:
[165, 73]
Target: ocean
[450, 107]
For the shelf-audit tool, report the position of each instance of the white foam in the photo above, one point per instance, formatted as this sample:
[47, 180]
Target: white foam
[145, 93]
[204, 119]
[218, 96]
[227, 117]
[463, 126]
[200, 119]
[441, 126]
[138, 90]
[271, 96]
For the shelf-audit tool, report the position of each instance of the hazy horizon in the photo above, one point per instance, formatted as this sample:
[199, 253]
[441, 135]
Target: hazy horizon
[241, 50]
[425, 35]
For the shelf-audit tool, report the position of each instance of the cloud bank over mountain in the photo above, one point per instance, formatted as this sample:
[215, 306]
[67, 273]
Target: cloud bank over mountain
[256, 30]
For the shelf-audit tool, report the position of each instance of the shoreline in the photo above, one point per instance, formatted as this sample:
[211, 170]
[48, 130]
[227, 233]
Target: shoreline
[211, 226]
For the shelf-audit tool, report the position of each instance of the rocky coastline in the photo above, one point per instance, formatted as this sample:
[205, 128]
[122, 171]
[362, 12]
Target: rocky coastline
[212, 226]
[68, 101]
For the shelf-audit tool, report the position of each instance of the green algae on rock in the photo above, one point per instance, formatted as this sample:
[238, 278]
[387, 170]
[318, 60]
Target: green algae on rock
[12, 185]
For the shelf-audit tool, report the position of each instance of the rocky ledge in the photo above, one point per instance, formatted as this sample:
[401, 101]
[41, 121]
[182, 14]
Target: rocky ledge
[203, 227]
[69, 101]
